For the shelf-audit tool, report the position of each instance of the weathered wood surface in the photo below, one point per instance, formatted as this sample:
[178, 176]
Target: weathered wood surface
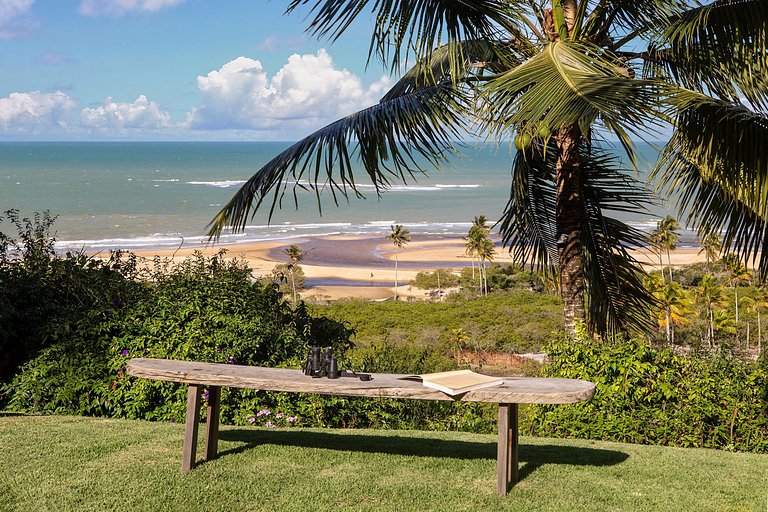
[515, 390]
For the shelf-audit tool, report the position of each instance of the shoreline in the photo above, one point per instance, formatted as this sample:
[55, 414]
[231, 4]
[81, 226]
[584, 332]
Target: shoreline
[346, 266]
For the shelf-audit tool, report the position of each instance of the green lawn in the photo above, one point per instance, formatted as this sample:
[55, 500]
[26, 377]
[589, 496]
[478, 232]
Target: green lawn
[72, 463]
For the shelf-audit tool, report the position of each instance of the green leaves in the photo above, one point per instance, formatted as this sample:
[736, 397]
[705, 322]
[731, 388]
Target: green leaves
[616, 296]
[411, 28]
[719, 49]
[716, 169]
[570, 83]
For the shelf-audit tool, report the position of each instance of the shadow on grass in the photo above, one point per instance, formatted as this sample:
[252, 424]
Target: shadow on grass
[532, 456]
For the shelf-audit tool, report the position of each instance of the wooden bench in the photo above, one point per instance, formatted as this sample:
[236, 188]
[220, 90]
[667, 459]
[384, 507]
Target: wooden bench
[514, 391]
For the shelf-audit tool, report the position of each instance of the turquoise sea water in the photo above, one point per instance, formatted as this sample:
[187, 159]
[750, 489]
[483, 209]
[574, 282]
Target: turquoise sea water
[133, 195]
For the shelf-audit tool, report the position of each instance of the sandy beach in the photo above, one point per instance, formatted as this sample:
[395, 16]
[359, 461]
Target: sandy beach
[363, 267]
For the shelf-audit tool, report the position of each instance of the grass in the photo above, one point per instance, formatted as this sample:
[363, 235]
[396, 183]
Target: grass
[66, 463]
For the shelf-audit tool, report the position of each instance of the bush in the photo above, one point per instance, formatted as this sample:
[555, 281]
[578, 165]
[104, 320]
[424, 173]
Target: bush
[655, 397]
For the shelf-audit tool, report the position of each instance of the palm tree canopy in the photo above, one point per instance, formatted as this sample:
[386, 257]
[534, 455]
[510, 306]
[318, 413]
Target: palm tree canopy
[399, 236]
[562, 74]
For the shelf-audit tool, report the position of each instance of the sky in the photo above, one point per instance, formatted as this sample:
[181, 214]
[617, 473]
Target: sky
[175, 70]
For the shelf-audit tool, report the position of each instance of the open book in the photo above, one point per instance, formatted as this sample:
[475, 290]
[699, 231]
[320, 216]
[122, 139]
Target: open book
[456, 382]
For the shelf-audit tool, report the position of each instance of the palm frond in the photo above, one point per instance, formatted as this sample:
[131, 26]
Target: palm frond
[439, 66]
[716, 170]
[386, 139]
[719, 48]
[418, 27]
[571, 83]
[527, 225]
[617, 299]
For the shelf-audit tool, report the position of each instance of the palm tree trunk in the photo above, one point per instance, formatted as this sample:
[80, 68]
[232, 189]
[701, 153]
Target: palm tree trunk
[669, 328]
[736, 294]
[293, 285]
[669, 265]
[395, 276]
[759, 333]
[568, 216]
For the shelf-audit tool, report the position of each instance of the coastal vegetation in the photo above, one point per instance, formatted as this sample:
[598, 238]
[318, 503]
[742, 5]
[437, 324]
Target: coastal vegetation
[67, 354]
[562, 77]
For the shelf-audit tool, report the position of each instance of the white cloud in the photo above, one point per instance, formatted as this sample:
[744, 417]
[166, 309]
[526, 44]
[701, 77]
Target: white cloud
[306, 93]
[97, 8]
[30, 112]
[142, 113]
[12, 18]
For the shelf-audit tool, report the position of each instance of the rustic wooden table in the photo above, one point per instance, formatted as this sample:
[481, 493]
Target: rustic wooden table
[514, 391]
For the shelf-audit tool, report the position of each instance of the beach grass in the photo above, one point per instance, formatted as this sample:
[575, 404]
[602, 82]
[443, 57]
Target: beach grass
[67, 463]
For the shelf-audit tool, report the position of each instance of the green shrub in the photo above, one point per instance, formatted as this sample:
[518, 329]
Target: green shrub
[651, 396]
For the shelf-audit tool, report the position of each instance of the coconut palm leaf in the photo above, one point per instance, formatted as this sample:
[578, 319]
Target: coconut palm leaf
[440, 67]
[527, 225]
[415, 26]
[719, 48]
[616, 295]
[727, 141]
[385, 139]
[571, 83]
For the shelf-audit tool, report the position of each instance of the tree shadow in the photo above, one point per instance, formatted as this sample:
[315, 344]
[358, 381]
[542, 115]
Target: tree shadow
[531, 456]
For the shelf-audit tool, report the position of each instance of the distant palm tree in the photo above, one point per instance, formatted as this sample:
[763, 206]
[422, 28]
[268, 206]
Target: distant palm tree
[711, 244]
[711, 295]
[295, 253]
[564, 75]
[475, 239]
[673, 302]
[737, 274]
[665, 238]
[486, 253]
[399, 236]
[757, 303]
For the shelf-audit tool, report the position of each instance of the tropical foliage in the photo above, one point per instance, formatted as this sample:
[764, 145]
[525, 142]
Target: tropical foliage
[565, 76]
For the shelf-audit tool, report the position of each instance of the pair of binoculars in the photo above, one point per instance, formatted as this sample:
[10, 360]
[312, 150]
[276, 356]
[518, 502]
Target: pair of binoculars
[322, 363]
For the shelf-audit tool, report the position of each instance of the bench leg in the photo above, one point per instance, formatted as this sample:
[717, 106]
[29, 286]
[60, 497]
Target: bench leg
[508, 448]
[189, 452]
[212, 423]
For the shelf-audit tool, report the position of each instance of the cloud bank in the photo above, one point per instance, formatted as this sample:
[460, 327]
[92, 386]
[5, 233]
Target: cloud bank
[238, 100]
[31, 112]
[306, 93]
[142, 113]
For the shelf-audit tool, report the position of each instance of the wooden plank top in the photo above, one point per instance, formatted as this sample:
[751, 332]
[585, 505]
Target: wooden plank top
[519, 390]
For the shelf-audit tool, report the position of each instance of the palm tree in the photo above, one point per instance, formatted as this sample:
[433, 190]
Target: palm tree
[399, 236]
[295, 253]
[737, 274]
[476, 241]
[757, 303]
[710, 294]
[674, 304]
[711, 244]
[564, 75]
[665, 239]
[485, 252]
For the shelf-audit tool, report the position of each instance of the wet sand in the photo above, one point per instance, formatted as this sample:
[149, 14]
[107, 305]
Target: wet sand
[363, 267]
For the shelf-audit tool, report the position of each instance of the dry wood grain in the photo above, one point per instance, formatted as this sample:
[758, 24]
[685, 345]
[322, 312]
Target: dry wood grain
[521, 390]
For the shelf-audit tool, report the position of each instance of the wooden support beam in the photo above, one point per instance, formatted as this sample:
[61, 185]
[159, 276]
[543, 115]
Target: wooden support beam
[189, 451]
[212, 422]
[508, 449]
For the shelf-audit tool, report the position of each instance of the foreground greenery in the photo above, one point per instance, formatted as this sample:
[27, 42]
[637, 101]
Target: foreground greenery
[74, 345]
[72, 464]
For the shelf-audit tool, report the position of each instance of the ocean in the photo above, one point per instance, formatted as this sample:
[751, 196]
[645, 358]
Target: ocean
[140, 195]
